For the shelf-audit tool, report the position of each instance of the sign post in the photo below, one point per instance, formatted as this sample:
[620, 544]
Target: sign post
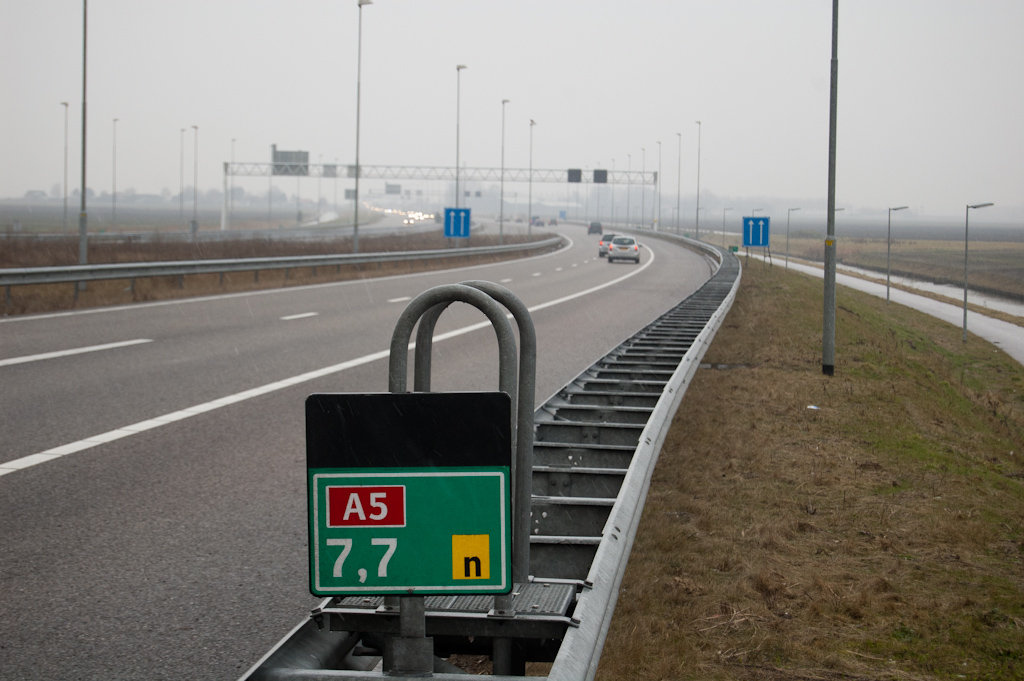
[409, 493]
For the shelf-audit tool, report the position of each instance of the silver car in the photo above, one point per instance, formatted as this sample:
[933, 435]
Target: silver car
[624, 248]
[604, 243]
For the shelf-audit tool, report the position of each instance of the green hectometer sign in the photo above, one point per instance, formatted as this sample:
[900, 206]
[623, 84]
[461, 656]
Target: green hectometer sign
[438, 521]
[425, 530]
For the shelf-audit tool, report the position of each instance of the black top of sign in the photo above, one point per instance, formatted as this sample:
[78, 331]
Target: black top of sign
[394, 430]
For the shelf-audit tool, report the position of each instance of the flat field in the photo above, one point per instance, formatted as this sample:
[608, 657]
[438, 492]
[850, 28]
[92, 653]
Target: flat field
[995, 267]
[864, 526]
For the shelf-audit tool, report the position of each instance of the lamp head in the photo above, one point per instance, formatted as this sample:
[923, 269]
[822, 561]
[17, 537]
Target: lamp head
[459, 67]
[981, 205]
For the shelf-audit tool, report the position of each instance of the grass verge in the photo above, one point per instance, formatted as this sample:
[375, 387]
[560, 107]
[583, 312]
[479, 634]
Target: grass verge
[865, 526]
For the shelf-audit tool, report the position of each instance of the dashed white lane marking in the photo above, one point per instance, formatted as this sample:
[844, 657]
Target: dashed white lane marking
[504, 281]
[150, 424]
[558, 269]
[400, 299]
[574, 264]
[299, 316]
[536, 274]
[72, 351]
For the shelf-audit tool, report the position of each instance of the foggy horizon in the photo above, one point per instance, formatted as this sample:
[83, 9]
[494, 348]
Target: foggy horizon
[928, 113]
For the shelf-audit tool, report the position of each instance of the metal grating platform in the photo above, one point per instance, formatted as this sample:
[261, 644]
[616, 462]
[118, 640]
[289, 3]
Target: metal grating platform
[538, 598]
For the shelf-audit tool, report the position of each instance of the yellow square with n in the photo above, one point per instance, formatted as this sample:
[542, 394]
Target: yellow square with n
[471, 556]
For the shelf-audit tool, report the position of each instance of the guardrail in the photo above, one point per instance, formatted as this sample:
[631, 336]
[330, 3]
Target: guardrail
[76, 273]
[582, 646]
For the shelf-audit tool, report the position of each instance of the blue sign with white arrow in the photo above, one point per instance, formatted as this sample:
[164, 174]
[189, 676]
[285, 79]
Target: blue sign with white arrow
[757, 232]
[456, 223]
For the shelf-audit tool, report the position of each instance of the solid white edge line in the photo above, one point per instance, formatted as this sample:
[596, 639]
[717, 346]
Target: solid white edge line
[149, 424]
[73, 351]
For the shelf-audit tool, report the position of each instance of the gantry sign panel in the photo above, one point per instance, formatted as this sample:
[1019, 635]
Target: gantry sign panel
[409, 493]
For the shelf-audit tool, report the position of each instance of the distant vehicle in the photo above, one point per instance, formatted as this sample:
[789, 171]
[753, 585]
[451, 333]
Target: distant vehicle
[552, 221]
[604, 243]
[595, 228]
[519, 219]
[624, 248]
[535, 220]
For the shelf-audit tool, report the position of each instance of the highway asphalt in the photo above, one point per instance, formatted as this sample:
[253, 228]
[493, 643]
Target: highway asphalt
[152, 459]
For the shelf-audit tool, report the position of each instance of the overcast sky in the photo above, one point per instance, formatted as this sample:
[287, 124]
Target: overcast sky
[931, 92]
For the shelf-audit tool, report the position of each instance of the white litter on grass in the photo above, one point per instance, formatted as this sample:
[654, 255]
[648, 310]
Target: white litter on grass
[811, 406]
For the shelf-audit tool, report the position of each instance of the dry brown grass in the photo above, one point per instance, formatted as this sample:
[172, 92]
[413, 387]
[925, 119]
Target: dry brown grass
[878, 536]
[62, 252]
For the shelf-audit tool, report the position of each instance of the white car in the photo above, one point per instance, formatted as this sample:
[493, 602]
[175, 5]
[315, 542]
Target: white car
[604, 244]
[624, 248]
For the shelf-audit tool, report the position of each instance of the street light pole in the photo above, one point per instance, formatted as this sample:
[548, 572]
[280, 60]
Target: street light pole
[789, 212]
[613, 193]
[529, 214]
[658, 185]
[359, 171]
[181, 177]
[83, 219]
[828, 326]
[501, 201]
[724, 210]
[64, 228]
[679, 180]
[888, 249]
[113, 195]
[697, 229]
[967, 217]
[643, 193]
[231, 189]
[629, 184]
[195, 183]
[458, 105]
